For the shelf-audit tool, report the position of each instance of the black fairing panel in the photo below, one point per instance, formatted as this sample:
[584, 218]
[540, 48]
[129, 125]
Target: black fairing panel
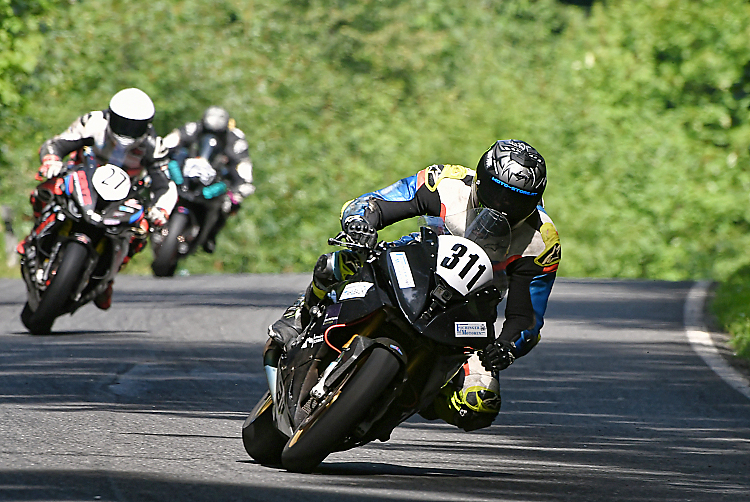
[479, 307]
[410, 266]
[357, 307]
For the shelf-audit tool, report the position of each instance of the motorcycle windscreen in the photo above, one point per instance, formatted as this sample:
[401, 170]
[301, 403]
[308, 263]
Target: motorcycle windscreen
[410, 268]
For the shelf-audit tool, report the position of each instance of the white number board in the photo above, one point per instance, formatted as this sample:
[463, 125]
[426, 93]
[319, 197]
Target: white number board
[463, 264]
[111, 182]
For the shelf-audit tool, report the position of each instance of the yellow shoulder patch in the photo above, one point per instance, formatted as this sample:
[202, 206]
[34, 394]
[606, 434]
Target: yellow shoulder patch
[552, 250]
[450, 171]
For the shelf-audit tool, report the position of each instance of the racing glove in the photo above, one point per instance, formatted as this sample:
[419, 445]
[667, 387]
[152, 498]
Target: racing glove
[51, 166]
[232, 202]
[360, 231]
[497, 356]
[157, 216]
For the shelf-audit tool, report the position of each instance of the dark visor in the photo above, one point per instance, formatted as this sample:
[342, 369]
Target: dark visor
[127, 127]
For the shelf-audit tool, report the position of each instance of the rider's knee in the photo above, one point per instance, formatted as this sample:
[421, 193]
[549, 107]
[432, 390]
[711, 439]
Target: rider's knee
[471, 400]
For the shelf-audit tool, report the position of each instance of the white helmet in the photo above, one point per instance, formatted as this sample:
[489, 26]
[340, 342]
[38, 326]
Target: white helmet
[130, 113]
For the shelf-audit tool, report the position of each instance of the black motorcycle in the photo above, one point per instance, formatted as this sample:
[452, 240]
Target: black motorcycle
[381, 345]
[197, 210]
[82, 237]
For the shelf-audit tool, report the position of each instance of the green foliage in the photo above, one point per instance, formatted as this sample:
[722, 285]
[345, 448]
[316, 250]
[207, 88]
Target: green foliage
[731, 306]
[639, 108]
[21, 44]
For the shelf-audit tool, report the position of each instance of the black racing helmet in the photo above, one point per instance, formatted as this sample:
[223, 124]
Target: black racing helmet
[215, 120]
[511, 177]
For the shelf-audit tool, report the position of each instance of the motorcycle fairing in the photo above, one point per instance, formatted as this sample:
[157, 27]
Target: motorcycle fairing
[357, 307]
[412, 284]
[460, 324]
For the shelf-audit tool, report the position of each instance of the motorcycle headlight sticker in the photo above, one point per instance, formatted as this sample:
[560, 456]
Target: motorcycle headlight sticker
[402, 270]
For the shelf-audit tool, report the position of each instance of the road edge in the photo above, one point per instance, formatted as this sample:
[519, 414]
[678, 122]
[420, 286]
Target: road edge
[702, 342]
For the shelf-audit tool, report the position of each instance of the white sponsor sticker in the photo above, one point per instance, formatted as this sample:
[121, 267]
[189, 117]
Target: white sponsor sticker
[402, 269]
[355, 290]
[470, 329]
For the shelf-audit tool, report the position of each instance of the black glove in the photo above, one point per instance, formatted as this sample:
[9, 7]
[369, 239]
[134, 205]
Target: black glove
[360, 231]
[497, 356]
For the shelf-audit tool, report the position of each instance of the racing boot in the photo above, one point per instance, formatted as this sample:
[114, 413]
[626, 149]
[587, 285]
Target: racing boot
[285, 330]
[104, 299]
[210, 245]
[470, 400]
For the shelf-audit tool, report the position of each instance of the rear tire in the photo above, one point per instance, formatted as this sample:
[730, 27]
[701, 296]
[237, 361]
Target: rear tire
[263, 442]
[311, 445]
[56, 297]
[166, 255]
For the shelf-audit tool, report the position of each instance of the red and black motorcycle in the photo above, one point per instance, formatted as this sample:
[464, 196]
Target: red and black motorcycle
[82, 236]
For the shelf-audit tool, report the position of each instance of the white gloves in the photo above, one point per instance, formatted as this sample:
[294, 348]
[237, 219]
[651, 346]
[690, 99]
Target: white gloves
[51, 166]
[246, 189]
[157, 216]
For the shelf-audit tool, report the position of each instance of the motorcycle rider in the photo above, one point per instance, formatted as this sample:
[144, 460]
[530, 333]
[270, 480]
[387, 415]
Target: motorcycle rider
[234, 159]
[510, 178]
[122, 135]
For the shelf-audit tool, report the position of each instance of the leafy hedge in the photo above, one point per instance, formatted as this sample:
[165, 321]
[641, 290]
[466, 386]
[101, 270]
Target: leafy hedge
[639, 108]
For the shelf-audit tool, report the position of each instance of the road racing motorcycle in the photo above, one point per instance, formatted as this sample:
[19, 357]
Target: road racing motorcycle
[197, 210]
[81, 240]
[381, 345]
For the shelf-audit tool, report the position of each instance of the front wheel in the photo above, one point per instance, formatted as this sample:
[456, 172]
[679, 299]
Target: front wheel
[263, 442]
[313, 442]
[56, 296]
[167, 255]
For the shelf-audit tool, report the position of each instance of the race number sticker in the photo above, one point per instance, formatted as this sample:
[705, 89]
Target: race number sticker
[463, 263]
[402, 270]
[111, 182]
[355, 290]
[470, 329]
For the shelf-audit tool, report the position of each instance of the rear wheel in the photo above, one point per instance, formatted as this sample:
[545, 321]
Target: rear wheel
[263, 442]
[166, 255]
[312, 443]
[57, 294]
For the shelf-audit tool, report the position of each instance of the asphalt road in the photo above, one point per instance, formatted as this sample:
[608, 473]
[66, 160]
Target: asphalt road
[146, 402]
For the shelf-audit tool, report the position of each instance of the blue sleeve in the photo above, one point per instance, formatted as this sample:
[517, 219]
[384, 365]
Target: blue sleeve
[403, 190]
[539, 289]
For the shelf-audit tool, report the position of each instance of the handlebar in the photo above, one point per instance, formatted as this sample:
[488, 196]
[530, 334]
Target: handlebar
[342, 239]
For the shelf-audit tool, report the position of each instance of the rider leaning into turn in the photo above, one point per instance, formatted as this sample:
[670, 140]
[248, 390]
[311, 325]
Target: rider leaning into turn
[123, 130]
[510, 177]
[234, 158]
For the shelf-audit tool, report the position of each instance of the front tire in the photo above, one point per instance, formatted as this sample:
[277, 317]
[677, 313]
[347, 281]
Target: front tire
[57, 295]
[166, 256]
[312, 444]
[263, 442]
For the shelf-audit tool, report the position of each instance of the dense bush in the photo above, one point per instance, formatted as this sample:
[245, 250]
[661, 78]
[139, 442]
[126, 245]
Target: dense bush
[639, 108]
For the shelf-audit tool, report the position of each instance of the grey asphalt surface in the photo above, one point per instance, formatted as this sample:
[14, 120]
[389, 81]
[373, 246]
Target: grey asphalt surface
[146, 402]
